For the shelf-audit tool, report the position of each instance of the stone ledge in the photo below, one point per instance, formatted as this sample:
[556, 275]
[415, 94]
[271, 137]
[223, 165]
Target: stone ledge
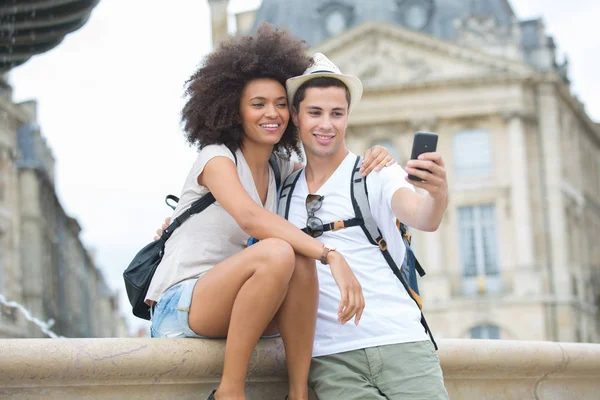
[189, 368]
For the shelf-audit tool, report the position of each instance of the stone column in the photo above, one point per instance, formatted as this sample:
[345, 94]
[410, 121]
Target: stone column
[218, 17]
[33, 254]
[520, 197]
[549, 129]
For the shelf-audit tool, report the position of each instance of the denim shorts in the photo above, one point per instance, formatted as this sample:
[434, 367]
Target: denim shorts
[170, 315]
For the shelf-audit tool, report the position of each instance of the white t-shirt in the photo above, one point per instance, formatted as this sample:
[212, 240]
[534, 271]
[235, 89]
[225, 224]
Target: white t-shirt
[211, 236]
[390, 315]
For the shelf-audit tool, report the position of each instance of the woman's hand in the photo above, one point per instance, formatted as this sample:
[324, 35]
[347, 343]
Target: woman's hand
[352, 301]
[376, 158]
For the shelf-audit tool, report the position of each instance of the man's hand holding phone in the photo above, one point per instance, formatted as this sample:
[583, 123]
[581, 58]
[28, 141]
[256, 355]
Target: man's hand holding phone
[426, 168]
[431, 170]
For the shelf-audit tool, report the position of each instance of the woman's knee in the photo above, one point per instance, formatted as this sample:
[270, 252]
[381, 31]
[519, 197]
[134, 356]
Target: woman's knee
[278, 255]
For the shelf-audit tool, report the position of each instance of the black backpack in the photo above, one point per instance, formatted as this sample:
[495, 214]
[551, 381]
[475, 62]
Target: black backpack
[407, 273]
[140, 271]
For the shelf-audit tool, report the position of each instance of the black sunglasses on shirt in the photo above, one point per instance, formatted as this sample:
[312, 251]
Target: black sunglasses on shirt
[314, 225]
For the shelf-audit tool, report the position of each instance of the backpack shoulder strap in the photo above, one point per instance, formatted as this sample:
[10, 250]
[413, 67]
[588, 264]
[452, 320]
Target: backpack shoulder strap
[362, 209]
[275, 166]
[285, 197]
[360, 202]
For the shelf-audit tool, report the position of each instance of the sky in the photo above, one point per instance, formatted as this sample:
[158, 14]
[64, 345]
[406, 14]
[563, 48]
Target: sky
[110, 94]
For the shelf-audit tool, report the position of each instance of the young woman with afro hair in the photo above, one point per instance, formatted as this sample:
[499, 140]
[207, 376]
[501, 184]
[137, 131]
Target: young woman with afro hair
[211, 282]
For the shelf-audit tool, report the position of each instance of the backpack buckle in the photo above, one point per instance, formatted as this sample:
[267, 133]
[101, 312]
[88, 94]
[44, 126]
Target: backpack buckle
[382, 244]
[407, 236]
[336, 225]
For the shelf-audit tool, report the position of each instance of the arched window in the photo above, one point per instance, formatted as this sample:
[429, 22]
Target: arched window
[472, 153]
[485, 332]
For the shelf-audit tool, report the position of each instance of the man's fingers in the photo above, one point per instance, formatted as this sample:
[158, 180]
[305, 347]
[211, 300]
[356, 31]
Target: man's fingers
[343, 305]
[164, 226]
[418, 173]
[428, 177]
[435, 156]
[360, 310]
[428, 165]
[351, 307]
[356, 305]
[422, 185]
[350, 311]
[344, 316]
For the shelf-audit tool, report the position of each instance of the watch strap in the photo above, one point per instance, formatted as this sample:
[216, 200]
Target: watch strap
[325, 253]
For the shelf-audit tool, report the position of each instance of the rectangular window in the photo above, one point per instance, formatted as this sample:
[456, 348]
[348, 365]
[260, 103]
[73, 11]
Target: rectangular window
[478, 250]
[472, 153]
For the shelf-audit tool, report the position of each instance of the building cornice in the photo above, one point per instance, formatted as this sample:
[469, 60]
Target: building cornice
[425, 42]
[449, 83]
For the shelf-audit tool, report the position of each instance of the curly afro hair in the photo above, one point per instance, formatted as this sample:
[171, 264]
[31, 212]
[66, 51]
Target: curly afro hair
[211, 114]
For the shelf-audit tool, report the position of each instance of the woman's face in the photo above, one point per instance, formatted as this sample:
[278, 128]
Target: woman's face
[264, 111]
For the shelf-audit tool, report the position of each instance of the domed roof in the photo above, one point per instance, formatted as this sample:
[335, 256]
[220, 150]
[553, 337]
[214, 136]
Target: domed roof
[317, 20]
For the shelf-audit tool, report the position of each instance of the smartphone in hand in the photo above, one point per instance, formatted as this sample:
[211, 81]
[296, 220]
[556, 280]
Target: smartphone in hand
[424, 142]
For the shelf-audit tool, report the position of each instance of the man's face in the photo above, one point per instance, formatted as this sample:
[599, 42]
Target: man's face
[322, 120]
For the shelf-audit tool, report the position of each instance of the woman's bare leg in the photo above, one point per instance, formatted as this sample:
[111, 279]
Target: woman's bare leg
[238, 298]
[296, 321]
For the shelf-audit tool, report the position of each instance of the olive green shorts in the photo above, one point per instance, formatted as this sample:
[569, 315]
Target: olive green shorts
[404, 371]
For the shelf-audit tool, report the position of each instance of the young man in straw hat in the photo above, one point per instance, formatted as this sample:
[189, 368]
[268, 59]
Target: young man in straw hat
[389, 355]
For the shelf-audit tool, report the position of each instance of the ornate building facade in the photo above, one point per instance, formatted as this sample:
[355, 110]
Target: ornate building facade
[515, 256]
[43, 263]
[44, 266]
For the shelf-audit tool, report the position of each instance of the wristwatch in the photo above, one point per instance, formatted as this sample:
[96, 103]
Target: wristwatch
[326, 249]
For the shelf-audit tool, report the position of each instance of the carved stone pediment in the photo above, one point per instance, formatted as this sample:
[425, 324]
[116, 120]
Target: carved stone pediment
[388, 55]
[385, 64]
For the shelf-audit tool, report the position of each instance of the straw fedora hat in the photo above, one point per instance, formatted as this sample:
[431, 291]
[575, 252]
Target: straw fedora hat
[323, 67]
